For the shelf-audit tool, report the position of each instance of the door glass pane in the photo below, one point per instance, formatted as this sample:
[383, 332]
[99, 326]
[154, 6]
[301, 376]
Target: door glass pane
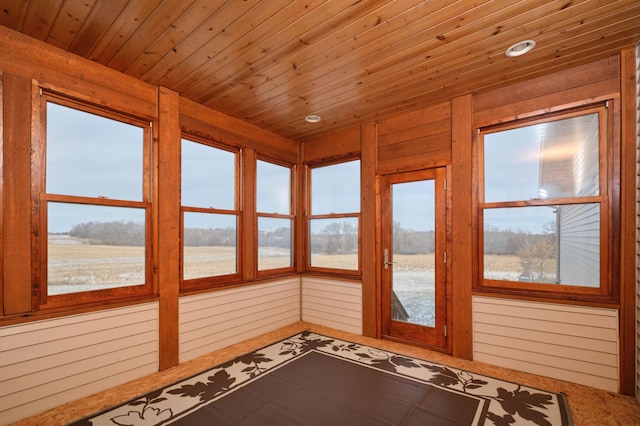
[413, 235]
[94, 247]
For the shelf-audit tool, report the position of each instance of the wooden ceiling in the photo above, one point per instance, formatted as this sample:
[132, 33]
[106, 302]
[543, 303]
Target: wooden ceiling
[272, 62]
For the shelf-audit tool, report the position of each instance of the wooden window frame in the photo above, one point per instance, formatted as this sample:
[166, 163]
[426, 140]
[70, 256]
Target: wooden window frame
[308, 217]
[216, 281]
[40, 200]
[291, 216]
[609, 177]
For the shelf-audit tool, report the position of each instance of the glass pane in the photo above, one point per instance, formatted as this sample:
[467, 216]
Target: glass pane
[89, 155]
[208, 176]
[94, 247]
[274, 243]
[336, 188]
[334, 243]
[413, 235]
[273, 188]
[210, 245]
[548, 160]
[550, 244]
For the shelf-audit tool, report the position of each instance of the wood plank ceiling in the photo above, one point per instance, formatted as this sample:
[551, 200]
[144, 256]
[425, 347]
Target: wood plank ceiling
[272, 62]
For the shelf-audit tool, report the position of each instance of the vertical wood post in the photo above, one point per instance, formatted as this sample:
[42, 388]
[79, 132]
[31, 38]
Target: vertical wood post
[462, 194]
[368, 229]
[167, 154]
[248, 249]
[16, 194]
[628, 289]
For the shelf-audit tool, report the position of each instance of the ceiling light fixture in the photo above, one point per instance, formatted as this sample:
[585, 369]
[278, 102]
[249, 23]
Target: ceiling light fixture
[520, 48]
[312, 118]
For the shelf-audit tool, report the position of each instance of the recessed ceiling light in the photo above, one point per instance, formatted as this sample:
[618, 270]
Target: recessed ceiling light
[520, 48]
[312, 118]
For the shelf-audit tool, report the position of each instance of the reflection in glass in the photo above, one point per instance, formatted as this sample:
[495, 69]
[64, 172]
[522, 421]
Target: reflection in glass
[547, 244]
[210, 245]
[94, 247]
[208, 176]
[336, 188]
[93, 156]
[413, 235]
[549, 160]
[334, 243]
[273, 188]
[274, 243]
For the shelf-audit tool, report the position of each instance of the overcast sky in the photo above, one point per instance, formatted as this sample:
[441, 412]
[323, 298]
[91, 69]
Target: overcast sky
[96, 157]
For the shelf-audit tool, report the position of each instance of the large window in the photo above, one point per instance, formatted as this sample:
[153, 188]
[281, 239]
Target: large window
[334, 219]
[210, 214]
[275, 217]
[544, 206]
[94, 202]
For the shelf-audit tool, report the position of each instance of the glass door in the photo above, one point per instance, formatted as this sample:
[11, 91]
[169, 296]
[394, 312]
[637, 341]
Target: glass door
[414, 257]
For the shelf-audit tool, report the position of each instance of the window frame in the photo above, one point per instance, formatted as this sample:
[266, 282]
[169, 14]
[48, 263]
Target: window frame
[41, 199]
[309, 217]
[609, 177]
[291, 216]
[210, 282]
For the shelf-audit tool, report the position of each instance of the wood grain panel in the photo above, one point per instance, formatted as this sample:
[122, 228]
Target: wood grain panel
[572, 343]
[415, 140]
[588, 82]
[341, 144]
[61, 71]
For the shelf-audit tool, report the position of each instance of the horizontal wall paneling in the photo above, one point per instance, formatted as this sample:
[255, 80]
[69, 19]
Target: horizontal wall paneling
[567, 342]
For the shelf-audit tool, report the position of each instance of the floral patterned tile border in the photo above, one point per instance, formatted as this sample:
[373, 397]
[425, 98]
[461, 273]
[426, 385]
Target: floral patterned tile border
[508, 403]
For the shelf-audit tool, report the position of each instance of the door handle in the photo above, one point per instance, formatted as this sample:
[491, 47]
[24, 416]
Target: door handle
[386, 259]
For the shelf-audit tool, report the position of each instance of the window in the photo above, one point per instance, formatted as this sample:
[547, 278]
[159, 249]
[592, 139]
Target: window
[334, 219]
[544, 206]
[94, 202]
[210, 214]
[275, 218]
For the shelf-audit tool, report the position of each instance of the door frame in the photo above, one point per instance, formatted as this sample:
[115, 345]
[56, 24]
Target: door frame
[439, 338]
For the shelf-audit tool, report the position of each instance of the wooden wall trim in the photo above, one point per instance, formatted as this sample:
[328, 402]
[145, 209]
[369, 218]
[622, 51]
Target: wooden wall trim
[628, 184]
[560, 90]
[209, 123]
[344, 143]
[462, 234]
[368, 230]
[16, 192]
[167, 193]
[53, 67]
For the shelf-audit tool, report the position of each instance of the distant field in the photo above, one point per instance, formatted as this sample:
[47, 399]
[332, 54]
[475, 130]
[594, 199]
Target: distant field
[74, 262]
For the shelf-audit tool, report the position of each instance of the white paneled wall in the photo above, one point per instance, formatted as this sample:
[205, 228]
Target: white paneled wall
[573, 343]
[212, 321]
[332, 303]
[48, 363]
